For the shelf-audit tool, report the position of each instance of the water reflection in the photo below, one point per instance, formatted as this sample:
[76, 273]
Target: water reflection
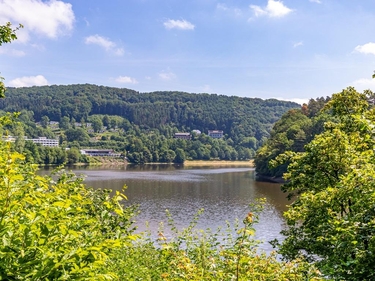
[223, 193]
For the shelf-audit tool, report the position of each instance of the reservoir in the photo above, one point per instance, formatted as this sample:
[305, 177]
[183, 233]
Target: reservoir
[223, 192]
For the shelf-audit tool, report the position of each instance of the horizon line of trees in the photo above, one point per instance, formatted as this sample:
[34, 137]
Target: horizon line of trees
[239, 117]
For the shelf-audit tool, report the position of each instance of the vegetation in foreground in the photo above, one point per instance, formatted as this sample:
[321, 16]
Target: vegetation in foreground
[58, 229]
[332, 221]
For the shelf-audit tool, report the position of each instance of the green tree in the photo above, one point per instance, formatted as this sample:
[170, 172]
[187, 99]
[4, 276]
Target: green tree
[44, 121]
[106, 121]
[73, 155]
[291, 132]
[7, 35]
[180, 156]
[167, 156]
[64, 123]
[331, 222]
[78, 134]
[56, 229]
[96, 123]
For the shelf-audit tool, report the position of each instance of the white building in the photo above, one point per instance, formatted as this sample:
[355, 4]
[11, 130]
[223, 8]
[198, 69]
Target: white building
[99, 152]
[41, 140]
[216, 134]
[184, 136]
[44, 141]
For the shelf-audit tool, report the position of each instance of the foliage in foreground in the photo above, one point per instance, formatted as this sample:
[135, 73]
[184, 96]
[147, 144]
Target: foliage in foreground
[203, 255]
[56, 229]
[332, 221]
[7, 35]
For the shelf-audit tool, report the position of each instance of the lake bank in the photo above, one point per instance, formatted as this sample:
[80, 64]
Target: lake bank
[106, 161]
[218, 163]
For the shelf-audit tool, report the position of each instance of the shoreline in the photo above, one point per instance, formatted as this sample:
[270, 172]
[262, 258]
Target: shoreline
[201, 163]
[187, 163]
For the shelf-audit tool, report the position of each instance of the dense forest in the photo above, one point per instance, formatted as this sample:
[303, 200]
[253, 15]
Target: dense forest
[292, 132]
[296, 128]
[141, 125]
[236, 116]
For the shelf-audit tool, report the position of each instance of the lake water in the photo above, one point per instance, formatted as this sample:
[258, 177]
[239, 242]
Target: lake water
[224, 193]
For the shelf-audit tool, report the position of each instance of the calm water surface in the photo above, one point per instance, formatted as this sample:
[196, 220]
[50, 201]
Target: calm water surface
[223, 193]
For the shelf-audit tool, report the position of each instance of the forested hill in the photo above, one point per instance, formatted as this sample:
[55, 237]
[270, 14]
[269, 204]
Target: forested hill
[236, 116]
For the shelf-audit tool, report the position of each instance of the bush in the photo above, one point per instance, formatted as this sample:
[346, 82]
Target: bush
[203, 255]
[56, 229]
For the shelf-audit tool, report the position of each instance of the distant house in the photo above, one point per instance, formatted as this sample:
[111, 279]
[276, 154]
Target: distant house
[99, 152]
[184, 136]
[45, 142]
[216, 134]
[41, 140]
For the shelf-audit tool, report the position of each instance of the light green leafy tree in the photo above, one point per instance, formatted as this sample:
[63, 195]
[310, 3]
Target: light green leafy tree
[332, 220]
[7, 35]
[56, 229]
[197, 255]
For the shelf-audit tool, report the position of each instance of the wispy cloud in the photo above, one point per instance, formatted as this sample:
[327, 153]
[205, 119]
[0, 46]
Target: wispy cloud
[316, 1]
[298, 44]
[167, 75]
[234, 11]
[364, 84]
[178, 24]
[274, 9]
[368, 48]
[104, 43]
[48, 18]
[126, 80]
[28, 81]
[207, 89]
[12, 52]
[296, 100]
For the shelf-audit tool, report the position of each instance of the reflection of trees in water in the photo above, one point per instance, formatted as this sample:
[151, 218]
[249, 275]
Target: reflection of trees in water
[223, 193]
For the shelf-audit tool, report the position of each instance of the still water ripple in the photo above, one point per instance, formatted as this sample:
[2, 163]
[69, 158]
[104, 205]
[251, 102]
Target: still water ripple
[223, 193]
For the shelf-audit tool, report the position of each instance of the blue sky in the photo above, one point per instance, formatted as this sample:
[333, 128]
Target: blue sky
[290, 49]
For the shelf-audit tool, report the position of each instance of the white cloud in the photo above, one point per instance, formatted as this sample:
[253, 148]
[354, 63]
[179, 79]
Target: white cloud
[223, 7]
[12, 52]
[27, 81]
[364, 84]
[105, 43]
[368, 48]
[207, 89]
[167, 75]
[298, 44]
[179, 24]
[38, 47]
[47, 18]
[296, 100]
[274, 9]
[126, 80]
[316, 1]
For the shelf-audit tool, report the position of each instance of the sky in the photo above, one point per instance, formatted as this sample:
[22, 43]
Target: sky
[290, 50]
